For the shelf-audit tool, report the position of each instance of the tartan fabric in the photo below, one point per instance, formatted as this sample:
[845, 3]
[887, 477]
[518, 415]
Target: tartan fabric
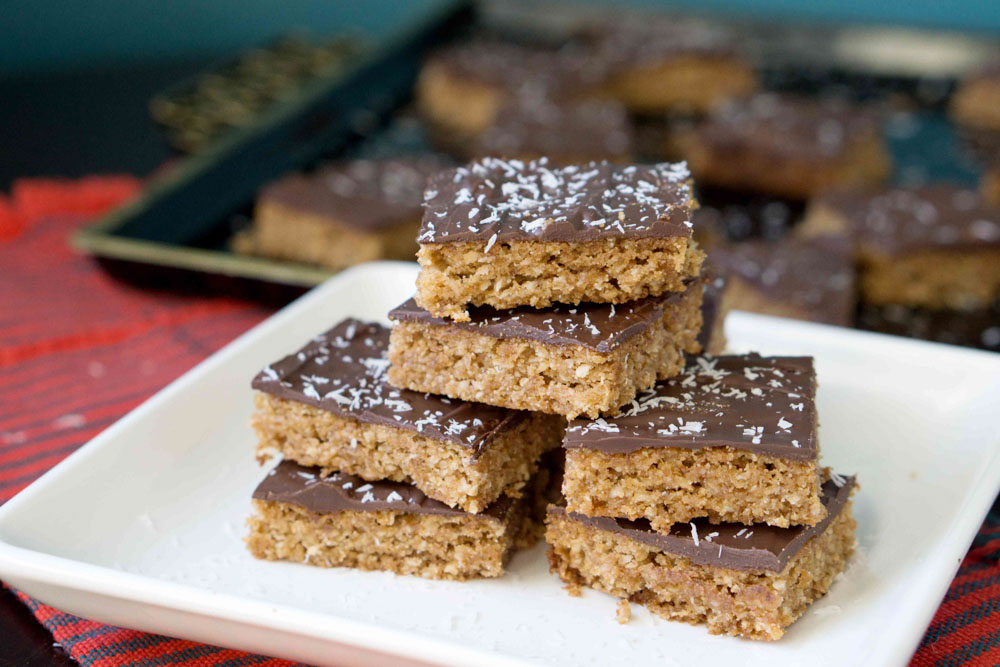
[79, 350]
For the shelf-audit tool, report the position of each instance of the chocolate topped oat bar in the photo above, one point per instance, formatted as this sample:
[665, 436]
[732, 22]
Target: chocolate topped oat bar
[567, 360]
[329, 405]
[786, 145]
[506, 233]
[732, 438]
[343, 213]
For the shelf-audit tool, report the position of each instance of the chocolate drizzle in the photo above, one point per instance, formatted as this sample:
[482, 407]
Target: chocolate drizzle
[370, 195]
[900, 220]
[815, 277]
[729, 545]
[598, 326]
[305, 487]
[765, 405]
[496, 201]
[343, 371]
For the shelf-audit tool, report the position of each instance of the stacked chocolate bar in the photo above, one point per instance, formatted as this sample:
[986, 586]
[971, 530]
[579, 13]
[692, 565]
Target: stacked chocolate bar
[703, 499]
[381, 478]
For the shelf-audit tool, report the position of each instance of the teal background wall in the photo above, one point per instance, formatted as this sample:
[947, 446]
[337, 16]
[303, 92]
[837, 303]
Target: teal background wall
[50, 35]
[41, 36]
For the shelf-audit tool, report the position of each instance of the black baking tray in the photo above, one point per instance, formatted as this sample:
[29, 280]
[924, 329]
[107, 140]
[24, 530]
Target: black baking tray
[176, 234]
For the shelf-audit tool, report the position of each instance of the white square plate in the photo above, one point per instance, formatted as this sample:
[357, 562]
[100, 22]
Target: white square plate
[143, 526]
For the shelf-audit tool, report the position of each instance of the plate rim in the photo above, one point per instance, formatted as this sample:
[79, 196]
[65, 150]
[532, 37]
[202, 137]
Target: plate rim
[22, 565]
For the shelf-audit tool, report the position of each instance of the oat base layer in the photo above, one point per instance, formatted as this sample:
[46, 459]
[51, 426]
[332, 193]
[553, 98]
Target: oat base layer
[554, 379]
[283, 232]
[442, 470]
[540, 274]
[689, 84]
[672, 484]
[435, 547]
[751, 604]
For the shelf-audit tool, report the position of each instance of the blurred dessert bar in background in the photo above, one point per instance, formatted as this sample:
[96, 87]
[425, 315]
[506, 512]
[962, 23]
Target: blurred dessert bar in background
[805, 279]
[933, 246]
[679, 67]
[342, 214]
[784, 145]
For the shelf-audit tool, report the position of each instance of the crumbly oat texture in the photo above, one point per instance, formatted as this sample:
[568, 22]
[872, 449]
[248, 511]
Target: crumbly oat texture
[623, 614]
[443, 470]
[516, 273]
[754, 604]
[435, 547]
[568, 380]
[673, 485]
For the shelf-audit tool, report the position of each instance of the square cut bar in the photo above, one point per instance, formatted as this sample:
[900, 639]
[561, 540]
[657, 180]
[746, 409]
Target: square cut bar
[343, 214]
[463, 87]
[588, 359]
[745, 581]
[657, 67]
[786, 146]
[935, 246]
[805, 279]
[733, 439]
[341, 520]
[329, 405]
[510, 233]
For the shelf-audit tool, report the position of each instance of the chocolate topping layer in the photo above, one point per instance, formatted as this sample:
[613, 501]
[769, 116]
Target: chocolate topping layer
[299, 485]
[765, 405]
[729, 545]
[343, 371]
[367, 194]
[711, 299]
[900, 220]
[789, 126]
[598, 326]
[539, 125]
[815, 276]
[495, 201]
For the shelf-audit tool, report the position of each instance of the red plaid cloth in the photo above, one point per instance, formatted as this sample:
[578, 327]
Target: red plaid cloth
[66, 328]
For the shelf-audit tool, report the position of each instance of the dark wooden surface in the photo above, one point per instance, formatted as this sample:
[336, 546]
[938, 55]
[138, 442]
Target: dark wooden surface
[23, 640]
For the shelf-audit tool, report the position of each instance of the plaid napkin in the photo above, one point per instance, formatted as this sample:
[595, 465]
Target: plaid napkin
[79, 350]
